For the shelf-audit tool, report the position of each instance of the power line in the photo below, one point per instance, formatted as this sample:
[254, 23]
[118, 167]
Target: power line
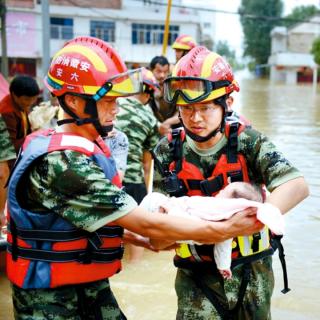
[242, 14]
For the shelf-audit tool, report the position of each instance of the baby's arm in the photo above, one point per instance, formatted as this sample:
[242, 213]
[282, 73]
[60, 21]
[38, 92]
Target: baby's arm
[222, 257]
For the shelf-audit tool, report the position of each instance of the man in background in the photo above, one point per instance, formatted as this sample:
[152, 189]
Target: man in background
[14, 108]
[164, 112]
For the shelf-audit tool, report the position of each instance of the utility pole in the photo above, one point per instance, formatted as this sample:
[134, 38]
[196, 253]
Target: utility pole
[166, 29]
[45, 43]
[4, 58]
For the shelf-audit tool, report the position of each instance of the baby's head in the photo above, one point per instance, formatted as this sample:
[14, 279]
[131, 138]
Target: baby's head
[242, 190]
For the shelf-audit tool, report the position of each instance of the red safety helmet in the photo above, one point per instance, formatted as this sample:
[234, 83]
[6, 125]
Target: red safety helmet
[184, 42]
[90, 66]
[199, 76]
[149, 81]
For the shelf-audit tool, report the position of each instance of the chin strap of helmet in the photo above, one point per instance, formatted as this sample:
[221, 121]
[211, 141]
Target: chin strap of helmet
[221, 101]
[90, 109]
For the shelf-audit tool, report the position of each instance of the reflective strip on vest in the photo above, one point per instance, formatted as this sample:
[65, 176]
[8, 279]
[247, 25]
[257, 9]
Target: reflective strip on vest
[245, 243]
[183, 251]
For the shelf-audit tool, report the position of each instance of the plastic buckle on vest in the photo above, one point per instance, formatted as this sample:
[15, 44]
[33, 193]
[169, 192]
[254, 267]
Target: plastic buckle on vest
[94, 243]
[255, 241]
[210, 186]
[85, 257]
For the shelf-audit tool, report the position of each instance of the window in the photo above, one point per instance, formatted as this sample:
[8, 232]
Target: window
[104, 30]
[152, 34]
[61, 28]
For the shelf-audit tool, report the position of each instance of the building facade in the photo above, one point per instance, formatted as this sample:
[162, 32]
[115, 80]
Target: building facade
[135, 28]
[291, 60]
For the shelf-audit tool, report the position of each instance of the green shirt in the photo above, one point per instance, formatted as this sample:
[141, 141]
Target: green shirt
[138, 122]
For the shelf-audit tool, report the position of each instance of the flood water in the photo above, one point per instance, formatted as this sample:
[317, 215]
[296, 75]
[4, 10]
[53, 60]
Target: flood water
[290, 116]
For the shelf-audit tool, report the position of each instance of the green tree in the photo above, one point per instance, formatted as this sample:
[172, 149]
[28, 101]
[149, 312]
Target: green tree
[258, 18]
[299, 14]
[315, 50]
[222, 48]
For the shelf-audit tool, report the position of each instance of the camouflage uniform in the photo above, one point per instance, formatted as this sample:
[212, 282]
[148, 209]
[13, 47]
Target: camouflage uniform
[90, 301]
[141, 127]
[265, 165]
[7, 151]
[73, 186]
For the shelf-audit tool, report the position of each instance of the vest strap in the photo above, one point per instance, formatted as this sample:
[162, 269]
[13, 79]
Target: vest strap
[232, 146]
[207, 186]
[103, 255]
[235, 175]
[54, 235]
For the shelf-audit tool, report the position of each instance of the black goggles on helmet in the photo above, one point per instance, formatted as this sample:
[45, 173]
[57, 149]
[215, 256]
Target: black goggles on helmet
[190, 89]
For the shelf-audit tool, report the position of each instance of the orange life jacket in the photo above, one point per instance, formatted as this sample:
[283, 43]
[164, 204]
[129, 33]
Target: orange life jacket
[231, 167]
[183, 178]
[44, 250]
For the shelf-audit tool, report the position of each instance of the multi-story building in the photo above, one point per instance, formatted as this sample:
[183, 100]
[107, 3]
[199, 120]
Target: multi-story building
[291, 60]
[135, 28]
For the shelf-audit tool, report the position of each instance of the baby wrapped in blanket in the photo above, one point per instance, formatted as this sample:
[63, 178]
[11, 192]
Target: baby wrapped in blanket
[240, 195]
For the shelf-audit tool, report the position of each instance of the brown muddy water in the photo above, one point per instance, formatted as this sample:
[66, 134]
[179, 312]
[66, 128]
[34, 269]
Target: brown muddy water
[290, 116]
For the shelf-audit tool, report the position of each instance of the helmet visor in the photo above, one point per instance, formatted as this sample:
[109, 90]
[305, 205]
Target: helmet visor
[123, 84]
[190, 89]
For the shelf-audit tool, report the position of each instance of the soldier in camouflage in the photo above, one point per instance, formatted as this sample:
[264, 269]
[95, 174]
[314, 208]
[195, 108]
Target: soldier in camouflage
[72, 185]
[7, 153]
[137, 121]
[202, 96]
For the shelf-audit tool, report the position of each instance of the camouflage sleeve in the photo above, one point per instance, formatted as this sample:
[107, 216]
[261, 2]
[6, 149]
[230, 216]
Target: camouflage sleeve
[72, 185]
[162, 154]
[7, 151]
[266, 164]
[153, 137]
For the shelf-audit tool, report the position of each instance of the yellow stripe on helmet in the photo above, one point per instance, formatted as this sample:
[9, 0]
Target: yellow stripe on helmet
[207, 64]
[181, 46]
[118, 89]
[92, 56]
[55, 79]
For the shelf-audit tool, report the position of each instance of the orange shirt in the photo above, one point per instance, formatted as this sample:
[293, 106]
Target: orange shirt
[16, 120]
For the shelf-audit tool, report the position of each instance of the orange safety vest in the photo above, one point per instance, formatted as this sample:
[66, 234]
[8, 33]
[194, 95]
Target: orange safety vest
[46, 251]
[231, 166]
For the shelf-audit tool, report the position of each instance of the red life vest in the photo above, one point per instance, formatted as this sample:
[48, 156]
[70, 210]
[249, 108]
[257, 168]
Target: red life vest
[230, 167]
[45, 250]
[183, 178]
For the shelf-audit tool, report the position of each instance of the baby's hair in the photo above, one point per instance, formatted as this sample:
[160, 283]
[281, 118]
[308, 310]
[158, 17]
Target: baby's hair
[248, 191]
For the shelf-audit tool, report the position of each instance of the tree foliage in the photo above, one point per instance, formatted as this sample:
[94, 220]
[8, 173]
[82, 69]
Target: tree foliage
[299, 14]
[315, 50]
[258, 18]
[222, 48]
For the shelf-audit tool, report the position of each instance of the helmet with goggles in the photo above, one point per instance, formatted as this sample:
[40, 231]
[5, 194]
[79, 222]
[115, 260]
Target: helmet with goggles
[184, 42]
[150, 83]
[199, 76]
[90, 68]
